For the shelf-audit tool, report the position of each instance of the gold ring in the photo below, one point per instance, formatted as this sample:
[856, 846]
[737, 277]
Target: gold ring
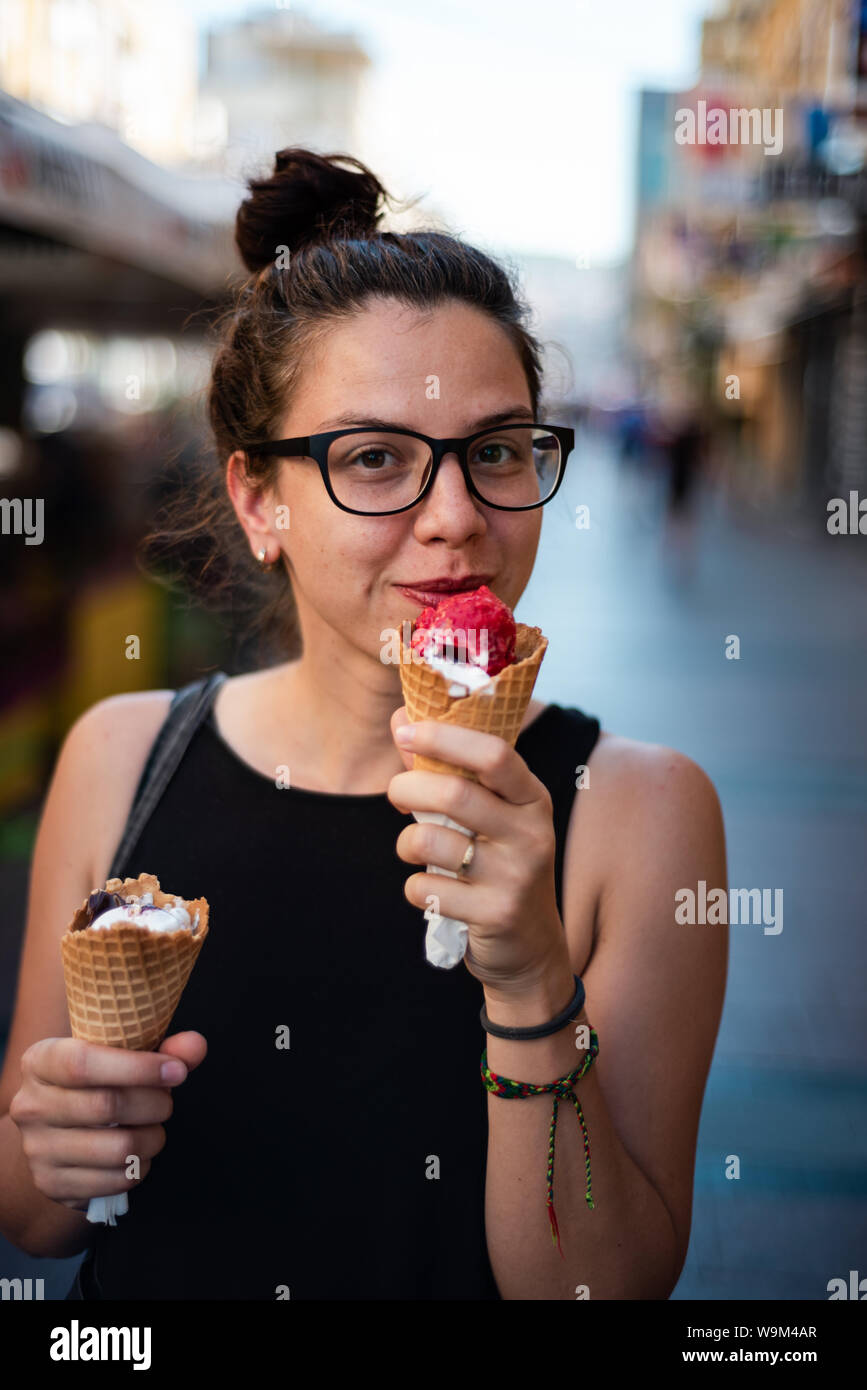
[467, 860]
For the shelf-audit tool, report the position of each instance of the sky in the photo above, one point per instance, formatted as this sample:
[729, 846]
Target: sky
[517, 120]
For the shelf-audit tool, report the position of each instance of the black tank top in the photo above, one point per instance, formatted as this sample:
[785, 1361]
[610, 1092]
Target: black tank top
[307, 1168]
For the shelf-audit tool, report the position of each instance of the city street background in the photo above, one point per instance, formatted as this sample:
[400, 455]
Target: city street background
[703, 310]
[781, 733]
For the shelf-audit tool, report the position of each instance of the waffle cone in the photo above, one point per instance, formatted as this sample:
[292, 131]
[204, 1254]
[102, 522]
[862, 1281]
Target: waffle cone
[123, 983]
[501, 711]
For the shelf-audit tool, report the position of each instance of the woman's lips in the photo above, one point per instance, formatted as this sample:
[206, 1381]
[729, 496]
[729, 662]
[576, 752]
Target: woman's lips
[430, 600]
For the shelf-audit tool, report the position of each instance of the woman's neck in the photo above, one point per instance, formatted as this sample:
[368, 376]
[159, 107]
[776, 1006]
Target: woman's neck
[336, 710]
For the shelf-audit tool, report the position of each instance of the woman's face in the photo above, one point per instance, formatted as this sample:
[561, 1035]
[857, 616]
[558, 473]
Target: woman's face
[346, 569]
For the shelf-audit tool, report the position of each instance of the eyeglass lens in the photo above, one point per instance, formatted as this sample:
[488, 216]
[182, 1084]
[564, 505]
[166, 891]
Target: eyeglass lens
[374, 471]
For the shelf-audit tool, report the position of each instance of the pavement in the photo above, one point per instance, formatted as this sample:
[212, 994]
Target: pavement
[782, 733]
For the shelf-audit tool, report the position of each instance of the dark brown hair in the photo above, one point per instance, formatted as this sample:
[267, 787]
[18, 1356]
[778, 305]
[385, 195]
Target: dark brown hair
[323, 220]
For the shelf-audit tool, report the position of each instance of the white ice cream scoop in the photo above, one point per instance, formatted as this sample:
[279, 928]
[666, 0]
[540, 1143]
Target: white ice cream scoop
[463, 676]
[140, 912]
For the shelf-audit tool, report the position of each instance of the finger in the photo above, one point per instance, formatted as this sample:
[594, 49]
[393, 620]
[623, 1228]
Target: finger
[468, 803]
[496, 763]
[440, 845]
[67, 1184]
[102, 1105]
[398, 719]
[190, 1048]
[462, 899]
[71, 1062]
[100, 1148]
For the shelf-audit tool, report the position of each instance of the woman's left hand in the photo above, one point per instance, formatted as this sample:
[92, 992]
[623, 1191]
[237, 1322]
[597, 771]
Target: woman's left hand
[508, 897]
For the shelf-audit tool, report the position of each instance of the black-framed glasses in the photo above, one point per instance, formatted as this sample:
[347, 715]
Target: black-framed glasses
[377, 472]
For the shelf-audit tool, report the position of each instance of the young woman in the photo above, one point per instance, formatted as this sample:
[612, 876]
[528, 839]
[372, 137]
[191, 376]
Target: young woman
[334, 1139]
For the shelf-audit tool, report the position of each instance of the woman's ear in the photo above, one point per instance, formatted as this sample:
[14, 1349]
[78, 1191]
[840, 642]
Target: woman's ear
[252, 506]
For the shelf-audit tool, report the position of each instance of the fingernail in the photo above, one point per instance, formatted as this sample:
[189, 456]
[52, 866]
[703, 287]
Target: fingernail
[173, 1071]
[405, 734]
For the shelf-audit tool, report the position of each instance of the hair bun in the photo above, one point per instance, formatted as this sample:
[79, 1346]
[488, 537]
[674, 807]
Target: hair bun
[307, 198]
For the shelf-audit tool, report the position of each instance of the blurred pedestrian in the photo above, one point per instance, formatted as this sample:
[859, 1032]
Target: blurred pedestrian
[684, 455]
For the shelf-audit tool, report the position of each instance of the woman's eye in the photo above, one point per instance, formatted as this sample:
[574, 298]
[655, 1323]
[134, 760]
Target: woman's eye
[492, 453]
[372, 458]
[378, 460]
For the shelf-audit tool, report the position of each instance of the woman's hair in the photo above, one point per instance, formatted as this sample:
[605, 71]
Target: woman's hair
[309, 237]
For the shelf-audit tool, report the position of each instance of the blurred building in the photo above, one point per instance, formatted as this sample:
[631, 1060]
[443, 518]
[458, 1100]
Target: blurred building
[104, 258]
[786, 47]
[272, 78]
[129, 65]
[749, 284]
[277, 78]
[120, 178]
[580, 313]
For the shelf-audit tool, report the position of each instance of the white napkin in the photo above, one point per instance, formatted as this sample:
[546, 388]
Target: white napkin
[445, 943]
[107, 1209]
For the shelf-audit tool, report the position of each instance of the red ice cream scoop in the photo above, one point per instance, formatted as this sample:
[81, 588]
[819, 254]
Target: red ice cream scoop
[468, 627]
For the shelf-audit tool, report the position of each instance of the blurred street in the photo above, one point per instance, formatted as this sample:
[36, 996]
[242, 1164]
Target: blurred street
[782, 733]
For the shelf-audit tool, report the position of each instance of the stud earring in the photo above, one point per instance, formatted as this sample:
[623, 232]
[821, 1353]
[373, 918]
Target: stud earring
[260, 556]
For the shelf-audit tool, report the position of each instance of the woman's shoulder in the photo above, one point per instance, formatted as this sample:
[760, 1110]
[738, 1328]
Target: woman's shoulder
[646, 790]
[644, 809]
[646, 812]
[104, 752]
[646, 767]
[117, 727]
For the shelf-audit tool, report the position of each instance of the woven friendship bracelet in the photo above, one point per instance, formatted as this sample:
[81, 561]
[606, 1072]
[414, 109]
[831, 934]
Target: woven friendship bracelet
[518, 1090]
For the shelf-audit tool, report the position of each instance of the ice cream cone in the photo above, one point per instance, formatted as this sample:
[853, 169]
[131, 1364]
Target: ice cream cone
[123, 983]
[497, 708]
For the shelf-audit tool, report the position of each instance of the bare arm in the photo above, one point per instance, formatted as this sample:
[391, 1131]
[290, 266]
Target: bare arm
[654, 993]
[82, 818]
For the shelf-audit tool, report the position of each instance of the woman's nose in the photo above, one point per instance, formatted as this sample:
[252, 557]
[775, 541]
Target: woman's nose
[449, 506]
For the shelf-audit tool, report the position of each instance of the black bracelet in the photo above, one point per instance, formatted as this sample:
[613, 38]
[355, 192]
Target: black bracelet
[541, 1030]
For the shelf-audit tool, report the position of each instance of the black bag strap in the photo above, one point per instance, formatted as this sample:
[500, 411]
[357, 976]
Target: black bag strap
[188, 708]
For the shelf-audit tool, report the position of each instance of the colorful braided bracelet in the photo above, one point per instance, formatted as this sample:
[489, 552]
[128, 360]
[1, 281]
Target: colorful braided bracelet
[518, 1090]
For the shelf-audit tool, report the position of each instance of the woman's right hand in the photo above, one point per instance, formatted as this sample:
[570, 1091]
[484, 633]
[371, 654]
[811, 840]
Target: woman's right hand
[71, 1091]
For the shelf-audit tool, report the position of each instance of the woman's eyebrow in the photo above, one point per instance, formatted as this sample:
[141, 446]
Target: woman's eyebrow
[373, 422]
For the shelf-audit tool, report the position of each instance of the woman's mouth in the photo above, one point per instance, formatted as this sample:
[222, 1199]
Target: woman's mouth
[430, 597]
